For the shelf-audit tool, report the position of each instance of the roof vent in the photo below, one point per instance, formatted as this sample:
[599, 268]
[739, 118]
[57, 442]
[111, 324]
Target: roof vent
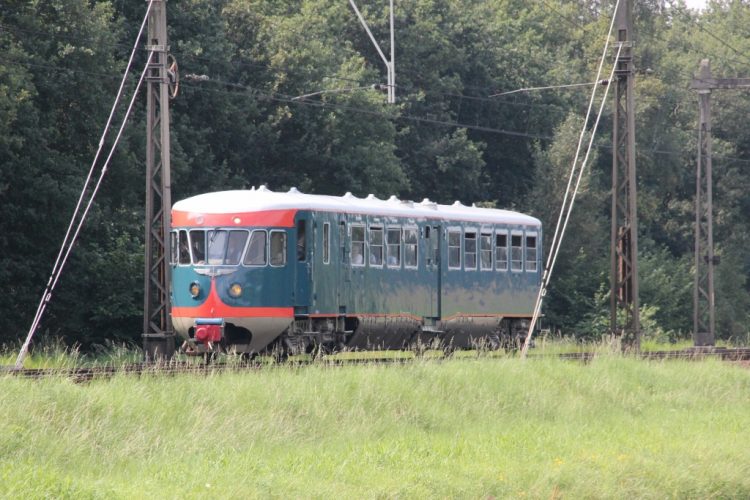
[348, 194]
[371, 197]
[294, 190]
[252, 188]
[473, 205]
[457, 203]
[429, 204]
[264, 189]
[393, 199]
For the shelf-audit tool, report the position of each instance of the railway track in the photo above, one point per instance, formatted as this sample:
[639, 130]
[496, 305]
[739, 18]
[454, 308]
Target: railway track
[85, 374]
[691, 354]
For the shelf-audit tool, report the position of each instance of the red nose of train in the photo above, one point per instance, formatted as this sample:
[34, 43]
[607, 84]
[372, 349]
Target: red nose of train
[208, 333]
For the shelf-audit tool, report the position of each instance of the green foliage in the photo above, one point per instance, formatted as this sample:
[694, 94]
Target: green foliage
[444, 139]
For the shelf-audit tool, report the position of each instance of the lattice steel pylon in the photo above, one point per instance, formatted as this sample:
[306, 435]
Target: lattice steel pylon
[624, 314]
[158, 336]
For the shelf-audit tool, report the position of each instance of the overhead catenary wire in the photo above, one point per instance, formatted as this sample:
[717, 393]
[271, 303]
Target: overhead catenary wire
[570, 196]
[552, 87]
[259, 95]
[68, 240]
[282, 67]
[327, 105]
[252, 93]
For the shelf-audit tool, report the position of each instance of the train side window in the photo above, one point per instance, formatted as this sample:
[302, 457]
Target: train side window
[485, 251]
[376, 246]
[326, 243]
[393, 236]
[173, 249]
[256, 250]
[301, 241]
[278, 248]
[342, 240]
[470, 251]
[182, 248]
[410, 247]
[454, 249]
[198, 246]
[516, 252]
[435, 246]
[358, 245]
[501, 251]
[531, 252]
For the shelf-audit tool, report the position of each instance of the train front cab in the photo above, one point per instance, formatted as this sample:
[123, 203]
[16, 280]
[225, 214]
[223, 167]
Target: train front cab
[231, 286]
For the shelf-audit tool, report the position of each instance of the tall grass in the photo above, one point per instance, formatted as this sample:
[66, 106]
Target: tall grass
[617, 427]
[54, 353]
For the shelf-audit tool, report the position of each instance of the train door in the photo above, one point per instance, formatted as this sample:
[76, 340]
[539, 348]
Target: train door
[343, 266]
[303, 263]
[432, 265]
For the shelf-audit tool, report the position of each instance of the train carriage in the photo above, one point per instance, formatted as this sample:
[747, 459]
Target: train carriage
[258, 270]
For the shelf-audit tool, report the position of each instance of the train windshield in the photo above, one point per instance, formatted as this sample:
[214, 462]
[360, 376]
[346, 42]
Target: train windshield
[217, 247]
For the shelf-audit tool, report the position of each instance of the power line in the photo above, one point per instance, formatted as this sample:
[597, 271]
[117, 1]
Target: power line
[61, 69]
[553, 87]
[287, 68]
[260, 95]
[371, 112]
[278, 68]
[287, 99]
[406, 87]
[61, 36]
[559, 14]
[720, 40]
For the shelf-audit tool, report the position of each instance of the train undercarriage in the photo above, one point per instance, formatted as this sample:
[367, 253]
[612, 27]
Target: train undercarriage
[327, 335]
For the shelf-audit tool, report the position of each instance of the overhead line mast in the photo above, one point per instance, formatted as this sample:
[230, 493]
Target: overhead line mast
[624, 314]
[704, 301]
[158, 336]
[390, 65]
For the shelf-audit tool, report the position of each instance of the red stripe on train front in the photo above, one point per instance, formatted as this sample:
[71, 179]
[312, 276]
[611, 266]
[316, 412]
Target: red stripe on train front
[269, 218]
[225, 311]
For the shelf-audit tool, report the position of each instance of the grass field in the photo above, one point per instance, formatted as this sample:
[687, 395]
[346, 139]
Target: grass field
[473, 428]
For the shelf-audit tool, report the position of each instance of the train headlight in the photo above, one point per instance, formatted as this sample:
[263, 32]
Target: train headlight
[235, 290]
[195, 289]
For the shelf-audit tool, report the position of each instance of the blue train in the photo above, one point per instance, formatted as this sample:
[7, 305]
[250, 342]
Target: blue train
[257, 271]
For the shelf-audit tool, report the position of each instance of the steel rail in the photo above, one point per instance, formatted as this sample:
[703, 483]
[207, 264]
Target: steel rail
[86, 374]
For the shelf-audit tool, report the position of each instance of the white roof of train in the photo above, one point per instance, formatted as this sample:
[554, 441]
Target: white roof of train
[254, 200]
